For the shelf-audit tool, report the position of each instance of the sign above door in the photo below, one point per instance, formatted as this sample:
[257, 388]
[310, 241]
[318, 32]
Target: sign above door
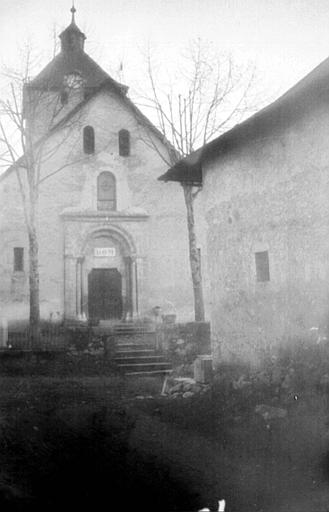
[104, 252]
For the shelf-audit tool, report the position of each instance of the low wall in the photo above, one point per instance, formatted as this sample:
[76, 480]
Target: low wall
[182, 343]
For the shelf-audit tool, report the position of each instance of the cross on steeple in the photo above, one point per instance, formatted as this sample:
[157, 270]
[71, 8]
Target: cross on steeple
[73, 11]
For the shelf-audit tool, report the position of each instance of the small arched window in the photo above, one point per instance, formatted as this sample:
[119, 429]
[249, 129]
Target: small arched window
[106, 191]
[124, 143]
[88, 140]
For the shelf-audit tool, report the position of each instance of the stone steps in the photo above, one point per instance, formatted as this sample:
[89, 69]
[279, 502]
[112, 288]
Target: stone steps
[134, 348]
[141, 361]
[149, 373]
[132, 329]
[144, 367]
[135, 359]
[135, 351]
[127, 335]
[126, 351]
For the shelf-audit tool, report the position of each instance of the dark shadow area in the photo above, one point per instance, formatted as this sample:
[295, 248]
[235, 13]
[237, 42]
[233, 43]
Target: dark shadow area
[89, 468]
[96, 441]
[325, 467]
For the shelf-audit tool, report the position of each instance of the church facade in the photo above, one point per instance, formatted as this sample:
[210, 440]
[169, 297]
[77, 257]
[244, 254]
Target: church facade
[112, 238]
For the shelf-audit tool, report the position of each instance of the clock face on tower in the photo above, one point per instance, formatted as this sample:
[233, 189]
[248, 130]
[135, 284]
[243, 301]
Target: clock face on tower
[73, 80]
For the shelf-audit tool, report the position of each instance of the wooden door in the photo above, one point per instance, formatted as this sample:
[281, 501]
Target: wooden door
[105, 294]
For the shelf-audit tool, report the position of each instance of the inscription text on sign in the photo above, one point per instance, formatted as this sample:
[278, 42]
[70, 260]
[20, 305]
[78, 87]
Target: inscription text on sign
[104, 252]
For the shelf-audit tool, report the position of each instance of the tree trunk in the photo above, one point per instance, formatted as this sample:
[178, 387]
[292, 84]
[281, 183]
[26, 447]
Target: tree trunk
[34, 288]
[194, 254]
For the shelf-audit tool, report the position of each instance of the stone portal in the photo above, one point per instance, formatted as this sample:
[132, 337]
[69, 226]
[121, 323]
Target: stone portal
[104, 278]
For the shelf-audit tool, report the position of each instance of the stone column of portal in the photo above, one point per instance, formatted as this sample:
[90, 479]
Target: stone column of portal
[70, 299]
[142, 287]
[134, 288]
[84, 290]
[128, 296]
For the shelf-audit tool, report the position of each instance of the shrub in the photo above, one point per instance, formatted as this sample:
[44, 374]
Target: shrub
[79, 338]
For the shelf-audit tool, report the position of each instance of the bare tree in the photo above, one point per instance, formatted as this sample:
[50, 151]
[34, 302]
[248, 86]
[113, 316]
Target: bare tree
[28, 116]
[210, 93]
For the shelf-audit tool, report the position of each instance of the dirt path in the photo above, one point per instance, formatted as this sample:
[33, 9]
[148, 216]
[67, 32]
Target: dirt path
[255, 468]
[79, 441]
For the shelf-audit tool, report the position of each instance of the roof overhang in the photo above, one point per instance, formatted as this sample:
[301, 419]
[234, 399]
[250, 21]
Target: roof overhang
[311, 92]
[188, 170]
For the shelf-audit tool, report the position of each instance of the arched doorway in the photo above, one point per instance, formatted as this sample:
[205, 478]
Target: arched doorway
[108, 279]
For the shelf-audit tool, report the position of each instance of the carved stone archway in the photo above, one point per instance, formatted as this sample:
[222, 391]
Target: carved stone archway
[84, 252]
[110, 249]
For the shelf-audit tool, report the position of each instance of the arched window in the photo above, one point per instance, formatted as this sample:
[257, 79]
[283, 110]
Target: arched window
[124, 143]
[106, 191]
[88, 140]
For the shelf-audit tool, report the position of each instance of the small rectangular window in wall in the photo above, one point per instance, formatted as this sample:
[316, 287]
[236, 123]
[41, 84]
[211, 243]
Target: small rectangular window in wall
[262, 266]
[18, 259]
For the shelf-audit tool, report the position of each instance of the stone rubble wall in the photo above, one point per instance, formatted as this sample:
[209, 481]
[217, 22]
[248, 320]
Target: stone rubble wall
[183, 342]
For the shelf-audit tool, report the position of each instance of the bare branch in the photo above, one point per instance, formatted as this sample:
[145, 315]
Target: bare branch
[8, 145]
[196, 192]
[148, 140]
[210, 92]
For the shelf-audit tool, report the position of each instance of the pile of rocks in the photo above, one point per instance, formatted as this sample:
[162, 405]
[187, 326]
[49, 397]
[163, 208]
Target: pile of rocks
[183, 387]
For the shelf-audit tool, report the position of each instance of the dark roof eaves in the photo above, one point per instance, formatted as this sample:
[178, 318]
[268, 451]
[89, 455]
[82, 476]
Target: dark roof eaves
[249, 127]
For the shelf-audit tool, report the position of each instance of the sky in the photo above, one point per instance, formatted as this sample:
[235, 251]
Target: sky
[285, 39]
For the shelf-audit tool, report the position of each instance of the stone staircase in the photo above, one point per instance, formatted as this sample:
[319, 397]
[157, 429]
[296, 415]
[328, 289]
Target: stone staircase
[136, 353]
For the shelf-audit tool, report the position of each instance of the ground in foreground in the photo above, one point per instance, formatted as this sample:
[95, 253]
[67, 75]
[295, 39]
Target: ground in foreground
[85, 441]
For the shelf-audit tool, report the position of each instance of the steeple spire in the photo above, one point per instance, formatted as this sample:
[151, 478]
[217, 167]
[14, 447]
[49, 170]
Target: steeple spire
[72, 38]
[73, 11]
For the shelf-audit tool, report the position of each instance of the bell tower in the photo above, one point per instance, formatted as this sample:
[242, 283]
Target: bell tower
[72, 39]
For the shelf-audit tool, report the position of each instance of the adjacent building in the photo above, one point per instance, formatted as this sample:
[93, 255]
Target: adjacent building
[264, 214]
